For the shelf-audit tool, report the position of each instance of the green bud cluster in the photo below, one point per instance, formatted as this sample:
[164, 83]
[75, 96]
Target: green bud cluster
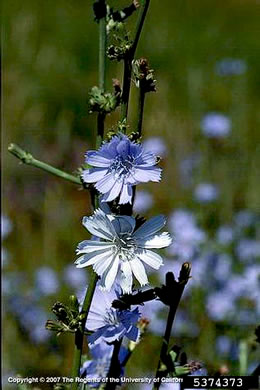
[69, 318]
[103, 102]
[143, 76]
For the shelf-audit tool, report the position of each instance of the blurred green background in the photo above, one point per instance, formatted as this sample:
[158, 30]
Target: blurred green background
[50, 54]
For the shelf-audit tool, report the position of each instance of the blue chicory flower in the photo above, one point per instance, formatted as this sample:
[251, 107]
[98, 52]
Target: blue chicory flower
[119, 165]
[143, 201]
[206, 193]
[215, 125]
[108, 323]
[123, 249]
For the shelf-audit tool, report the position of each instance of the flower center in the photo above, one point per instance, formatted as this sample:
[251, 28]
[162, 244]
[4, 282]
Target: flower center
[126, 247]
[122, 167]
[111, 317]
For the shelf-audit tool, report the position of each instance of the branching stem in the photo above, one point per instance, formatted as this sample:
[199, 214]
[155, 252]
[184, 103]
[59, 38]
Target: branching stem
[28, 159]
[129, 58]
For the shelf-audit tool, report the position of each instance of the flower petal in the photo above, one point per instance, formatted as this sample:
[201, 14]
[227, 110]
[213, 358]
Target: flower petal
[148, 159]
[113, 192]
[92, 258]
[99, 225]
[88, 246]
[126, 194]
[151, 258]
[93, 175]
[111, 275]
[101, 266]
[124, 224]
[133, 333]
[150, 227]
[97, 159]
[139, 271]
[143, 175]
[126, 277]
[106, 183]
[161, 240]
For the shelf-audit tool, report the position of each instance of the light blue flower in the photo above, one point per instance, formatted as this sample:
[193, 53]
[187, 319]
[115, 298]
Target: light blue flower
[108, 323]
[248, 249]
[143, 201]
[155, 145]
[225, 235]
[215, 125]
[187, 235]
[46, 281]
[74, 277]
[206, 193]
[123, 250]
[119, 165]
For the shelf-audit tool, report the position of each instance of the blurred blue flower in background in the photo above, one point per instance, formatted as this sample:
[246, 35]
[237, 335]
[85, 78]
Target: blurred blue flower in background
[108, 323]
[118, 166]
[230, 67]
[244, 218]
[248, 249]
[143, 201]
[155, 145]
[225, 235]
[31, 317]
[75, 278]
[220, 305]
[46, 281]
[215, 125]
[223, 345]
[6, 228]
[206, 193]
[186, 168]
[187, 235]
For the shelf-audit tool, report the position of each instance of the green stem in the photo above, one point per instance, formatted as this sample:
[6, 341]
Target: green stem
[139, 24]
[243, 357]
[128, 60]
[102, 71]
[79, 336]
[141, 97]
[28, 159]
[178, 291]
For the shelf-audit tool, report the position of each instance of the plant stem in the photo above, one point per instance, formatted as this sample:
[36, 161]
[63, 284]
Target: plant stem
[79, 336]
[243, 357]
[141, 96]
[139, 24]
[129, 58]
[126, 87]
[177, 294]
[102, 70]
[28, 159]
[114, 369]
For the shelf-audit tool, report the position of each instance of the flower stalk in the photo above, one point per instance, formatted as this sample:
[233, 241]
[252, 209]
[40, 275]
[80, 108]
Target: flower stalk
[28, 159]
[174, 290]
[79, 336]
[130, 56]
